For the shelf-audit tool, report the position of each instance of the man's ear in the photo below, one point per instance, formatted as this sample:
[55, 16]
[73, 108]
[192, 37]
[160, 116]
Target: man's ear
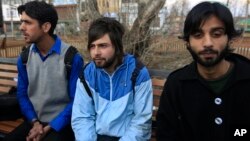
[46, 27]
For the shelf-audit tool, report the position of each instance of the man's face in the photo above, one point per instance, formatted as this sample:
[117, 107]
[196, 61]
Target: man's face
[103, 53]
[30, 29]
[208, 45]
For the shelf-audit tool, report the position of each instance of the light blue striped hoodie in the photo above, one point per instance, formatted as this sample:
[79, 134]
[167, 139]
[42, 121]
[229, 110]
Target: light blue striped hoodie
[114, 109]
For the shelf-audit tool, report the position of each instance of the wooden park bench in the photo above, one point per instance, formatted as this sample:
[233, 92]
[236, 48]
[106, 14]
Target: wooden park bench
[8, 77]
[158, 80]
[8, 74]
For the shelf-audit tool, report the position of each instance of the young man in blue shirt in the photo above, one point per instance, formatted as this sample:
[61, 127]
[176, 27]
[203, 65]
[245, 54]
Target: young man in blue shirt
[45, 93]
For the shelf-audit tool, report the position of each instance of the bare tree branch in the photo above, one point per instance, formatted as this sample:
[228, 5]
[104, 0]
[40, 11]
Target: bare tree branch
[136, 40]
[91, 11]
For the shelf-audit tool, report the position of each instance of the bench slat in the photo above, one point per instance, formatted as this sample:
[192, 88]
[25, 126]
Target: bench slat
[4, 89]
[158, 82]
[5, 129]
[156, 103]
[8, 67]
[8, 126]
[8, 74]
[11, 123]
[157, 92]
[7, 82]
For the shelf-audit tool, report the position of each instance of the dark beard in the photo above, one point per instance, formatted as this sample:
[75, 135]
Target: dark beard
[209, 63]
[108, 63]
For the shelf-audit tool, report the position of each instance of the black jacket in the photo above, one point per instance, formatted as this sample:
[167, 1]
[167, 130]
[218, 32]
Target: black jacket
[190, 111]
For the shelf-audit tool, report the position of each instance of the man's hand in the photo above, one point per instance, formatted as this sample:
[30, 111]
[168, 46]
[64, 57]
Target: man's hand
[46, 129]
[37, 130]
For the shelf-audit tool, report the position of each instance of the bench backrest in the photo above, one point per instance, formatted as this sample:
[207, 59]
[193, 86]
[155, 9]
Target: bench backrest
[8, 77]
[8, 126]
[158, 85]
[158, 78]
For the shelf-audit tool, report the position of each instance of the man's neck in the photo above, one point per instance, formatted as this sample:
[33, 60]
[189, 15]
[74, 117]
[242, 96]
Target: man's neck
[113, 67]
[45, 44]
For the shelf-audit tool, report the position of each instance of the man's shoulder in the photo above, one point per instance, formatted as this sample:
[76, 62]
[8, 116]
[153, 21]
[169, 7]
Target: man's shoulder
[89, 68]
[237, 58]
[139, 71]
[181, 72]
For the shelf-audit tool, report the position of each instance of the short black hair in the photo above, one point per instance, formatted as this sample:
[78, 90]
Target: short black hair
[110, 26]
[42, 12]
[201, 12]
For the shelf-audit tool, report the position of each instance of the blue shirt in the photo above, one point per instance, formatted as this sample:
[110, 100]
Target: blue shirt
[27, 108]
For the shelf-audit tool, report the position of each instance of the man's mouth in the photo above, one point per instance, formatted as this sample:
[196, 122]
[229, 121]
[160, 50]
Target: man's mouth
[98, 59]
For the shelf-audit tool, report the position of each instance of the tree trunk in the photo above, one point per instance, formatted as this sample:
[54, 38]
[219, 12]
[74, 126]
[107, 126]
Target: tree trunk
[136, 40]
[91, 11]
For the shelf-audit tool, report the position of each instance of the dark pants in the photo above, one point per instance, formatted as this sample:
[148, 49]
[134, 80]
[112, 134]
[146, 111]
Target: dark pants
[20, 133]
[107, 138]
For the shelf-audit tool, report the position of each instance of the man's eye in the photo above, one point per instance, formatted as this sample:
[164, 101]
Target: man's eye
[103, 46]
[197, 35]
[91, 46]
[217, 34]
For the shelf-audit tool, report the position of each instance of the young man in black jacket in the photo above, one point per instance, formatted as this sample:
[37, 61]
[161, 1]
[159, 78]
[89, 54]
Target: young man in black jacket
[207, 100]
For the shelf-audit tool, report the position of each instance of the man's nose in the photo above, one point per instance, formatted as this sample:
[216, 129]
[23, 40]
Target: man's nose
[21, 27]
[96, 50]
[207, 41]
